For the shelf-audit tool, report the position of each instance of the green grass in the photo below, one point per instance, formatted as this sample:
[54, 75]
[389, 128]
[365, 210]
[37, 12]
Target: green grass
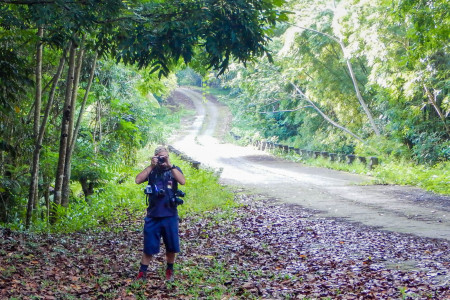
[203, 191]
[431, 178]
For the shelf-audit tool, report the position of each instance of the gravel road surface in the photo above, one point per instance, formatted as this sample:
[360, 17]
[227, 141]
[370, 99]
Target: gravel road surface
[330, 193]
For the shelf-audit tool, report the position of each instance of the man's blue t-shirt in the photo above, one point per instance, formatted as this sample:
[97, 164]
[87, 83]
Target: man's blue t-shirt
[160, 205]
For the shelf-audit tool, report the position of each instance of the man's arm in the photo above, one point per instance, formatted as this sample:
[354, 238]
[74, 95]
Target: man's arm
[178, 176]
[143, 176]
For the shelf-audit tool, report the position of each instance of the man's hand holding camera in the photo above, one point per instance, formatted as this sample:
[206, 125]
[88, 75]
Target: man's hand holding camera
[161, 161]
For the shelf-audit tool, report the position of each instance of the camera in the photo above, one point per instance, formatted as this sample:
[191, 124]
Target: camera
[175, 201]
[180, 193]
[153, 190]
[148, 190]
[161, 160]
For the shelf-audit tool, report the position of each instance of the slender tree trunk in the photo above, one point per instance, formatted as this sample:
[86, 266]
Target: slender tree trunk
[433, 102]
[70, 137]
[38, 142]
[2, 163]
[72, 144]
[358, 93]
[47, 197]
[352, 76]
[65, 127]
[37, 114]
[94, 134]
[80, 116]
[51, 96]
[83, 104]
[98, 126]
[299, 91]
[77, 127]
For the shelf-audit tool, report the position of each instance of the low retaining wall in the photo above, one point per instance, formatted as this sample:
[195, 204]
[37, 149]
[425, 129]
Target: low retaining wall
[195, 163]
[370, 162]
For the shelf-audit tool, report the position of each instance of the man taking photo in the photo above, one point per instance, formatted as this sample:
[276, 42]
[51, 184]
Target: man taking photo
[162, 215]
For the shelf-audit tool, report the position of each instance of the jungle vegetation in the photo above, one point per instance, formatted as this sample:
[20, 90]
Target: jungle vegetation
[83, 87]
[83, 83]
[353, 77]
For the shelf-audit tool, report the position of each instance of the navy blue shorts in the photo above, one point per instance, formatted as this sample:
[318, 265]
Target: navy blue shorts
[166, 227]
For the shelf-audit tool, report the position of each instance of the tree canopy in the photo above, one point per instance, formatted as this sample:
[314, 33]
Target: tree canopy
[85, 80]
[379, 69]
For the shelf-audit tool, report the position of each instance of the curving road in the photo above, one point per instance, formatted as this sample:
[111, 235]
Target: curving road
[330, 193]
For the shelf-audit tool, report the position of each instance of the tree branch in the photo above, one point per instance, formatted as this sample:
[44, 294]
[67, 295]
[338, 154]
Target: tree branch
[316, 31]
[352, 75]
[433, 102]
[324, 115]
[266, 104]
[288, 110]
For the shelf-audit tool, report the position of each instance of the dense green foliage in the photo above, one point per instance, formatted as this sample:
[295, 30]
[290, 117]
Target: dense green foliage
[129, 122]
[119, 196]
[398, 53]
[156, 33]
[188, 77]
[81, 87]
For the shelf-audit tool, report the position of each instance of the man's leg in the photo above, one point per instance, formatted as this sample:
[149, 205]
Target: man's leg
[152, 236]
[145, 260]
[170, 258]
[172, 241]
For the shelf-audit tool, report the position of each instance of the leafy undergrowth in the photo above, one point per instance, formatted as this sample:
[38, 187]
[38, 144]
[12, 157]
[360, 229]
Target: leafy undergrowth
[261, 250]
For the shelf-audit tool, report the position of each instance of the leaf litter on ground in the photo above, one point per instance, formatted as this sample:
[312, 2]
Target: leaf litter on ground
[263, 249]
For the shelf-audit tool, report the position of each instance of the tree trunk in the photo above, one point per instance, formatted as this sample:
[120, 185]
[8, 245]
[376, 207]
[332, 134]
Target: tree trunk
[70, 137]
[358, 93]
[77, 127]
[51, 95]
[97, 126]
[38, 142]
[324, 115]
[72, 144]
[352, 76]
[432, 100]
[64, 127]
[37, 114]
[47, 197]
[83, 104]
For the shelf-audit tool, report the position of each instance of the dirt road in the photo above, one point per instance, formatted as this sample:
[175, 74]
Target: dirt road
[331, 193]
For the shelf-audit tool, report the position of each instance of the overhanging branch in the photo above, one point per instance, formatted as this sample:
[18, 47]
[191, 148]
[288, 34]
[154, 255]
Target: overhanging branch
[288, 110]
[324, 115]
[352, 76]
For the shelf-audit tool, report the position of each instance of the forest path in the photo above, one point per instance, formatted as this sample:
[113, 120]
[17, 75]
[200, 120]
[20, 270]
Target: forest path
[330, 193]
